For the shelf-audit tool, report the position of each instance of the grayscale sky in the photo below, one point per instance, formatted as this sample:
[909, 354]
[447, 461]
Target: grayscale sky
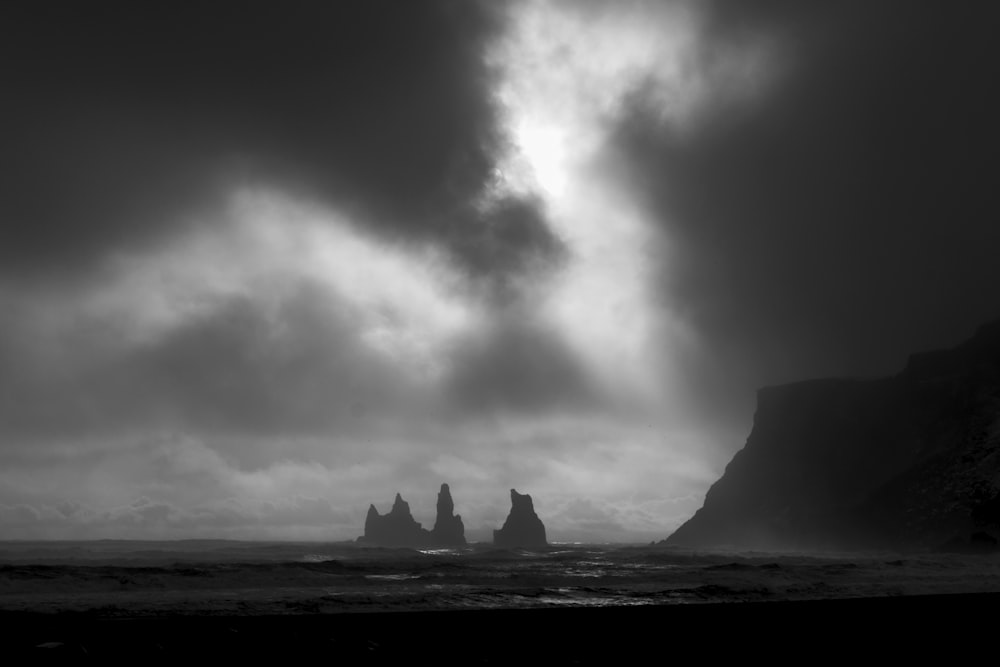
[262, 264]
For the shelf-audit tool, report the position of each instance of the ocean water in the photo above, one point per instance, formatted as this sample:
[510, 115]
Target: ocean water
[206, 577]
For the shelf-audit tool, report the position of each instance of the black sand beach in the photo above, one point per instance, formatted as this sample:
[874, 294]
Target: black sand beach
[893, 628]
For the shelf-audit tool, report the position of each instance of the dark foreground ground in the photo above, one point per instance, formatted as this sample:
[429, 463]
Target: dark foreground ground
[954, 628]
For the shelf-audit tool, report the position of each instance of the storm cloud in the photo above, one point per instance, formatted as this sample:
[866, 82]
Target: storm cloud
[123, 122]
[844, 216]
[262, 265]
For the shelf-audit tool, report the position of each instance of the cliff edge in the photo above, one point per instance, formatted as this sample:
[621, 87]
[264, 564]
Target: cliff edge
[911, 462]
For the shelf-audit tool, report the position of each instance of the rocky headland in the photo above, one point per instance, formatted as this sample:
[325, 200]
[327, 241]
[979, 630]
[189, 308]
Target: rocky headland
[909, 462]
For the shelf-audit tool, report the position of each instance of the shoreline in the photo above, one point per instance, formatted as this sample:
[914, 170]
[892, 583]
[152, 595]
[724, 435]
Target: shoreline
[958, 625]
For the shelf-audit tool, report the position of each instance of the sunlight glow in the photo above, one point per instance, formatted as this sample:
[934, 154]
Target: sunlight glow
[566, 76]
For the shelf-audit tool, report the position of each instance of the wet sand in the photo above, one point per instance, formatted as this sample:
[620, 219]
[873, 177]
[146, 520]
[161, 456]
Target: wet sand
[953, 627]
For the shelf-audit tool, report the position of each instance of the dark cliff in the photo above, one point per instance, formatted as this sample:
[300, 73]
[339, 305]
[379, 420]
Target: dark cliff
[522, 528]
[911, 461]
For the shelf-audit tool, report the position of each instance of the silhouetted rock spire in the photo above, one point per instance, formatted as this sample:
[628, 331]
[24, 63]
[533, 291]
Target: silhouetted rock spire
[522, 528]
[399, 529]
[448, 527]
[401, 507]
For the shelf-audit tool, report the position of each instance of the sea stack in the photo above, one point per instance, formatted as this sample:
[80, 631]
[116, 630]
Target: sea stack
[395, 529]
[449, 531]
[522, 528]
[399, 529]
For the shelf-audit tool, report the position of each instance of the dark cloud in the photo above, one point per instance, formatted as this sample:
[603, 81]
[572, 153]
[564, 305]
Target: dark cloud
[291, 364]
[123, 120]
[292, 369]
[296, 366]
[517, 366]
[509, 249]
[125, 124]
[848, 214]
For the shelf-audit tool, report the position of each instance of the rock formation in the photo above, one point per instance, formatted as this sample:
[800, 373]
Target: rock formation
[911, 461]
[398, 528]
[522, 528]
[448, 528]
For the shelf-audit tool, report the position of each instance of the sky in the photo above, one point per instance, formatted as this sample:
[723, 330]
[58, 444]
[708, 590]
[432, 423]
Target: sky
[262, 264]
